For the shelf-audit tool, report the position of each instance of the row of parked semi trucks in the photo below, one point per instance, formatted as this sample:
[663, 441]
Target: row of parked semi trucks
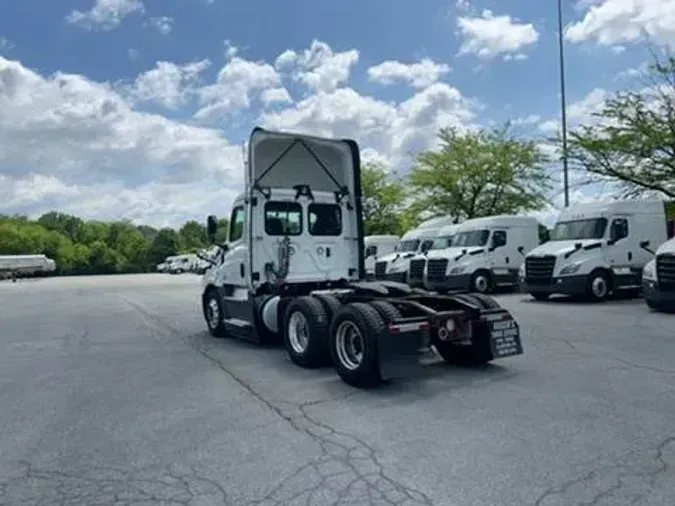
[595, 250]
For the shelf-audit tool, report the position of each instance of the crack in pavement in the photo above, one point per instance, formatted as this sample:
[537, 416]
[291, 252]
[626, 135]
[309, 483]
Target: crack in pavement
[347, 470]
[615, 484]
[177, 485]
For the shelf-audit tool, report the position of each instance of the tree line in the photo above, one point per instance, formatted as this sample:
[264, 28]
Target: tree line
[469, 174]
[81, 246]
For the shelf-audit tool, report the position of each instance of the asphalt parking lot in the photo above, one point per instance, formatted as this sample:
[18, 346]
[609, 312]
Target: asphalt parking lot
[112, 393]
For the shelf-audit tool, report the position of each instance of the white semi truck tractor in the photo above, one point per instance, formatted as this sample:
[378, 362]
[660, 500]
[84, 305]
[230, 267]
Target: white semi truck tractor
[293, 270]
[597, 250]
[658, 279]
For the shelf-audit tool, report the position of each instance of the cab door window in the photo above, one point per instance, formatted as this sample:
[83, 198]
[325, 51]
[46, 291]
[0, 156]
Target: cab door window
[619, 229]
[236, 224]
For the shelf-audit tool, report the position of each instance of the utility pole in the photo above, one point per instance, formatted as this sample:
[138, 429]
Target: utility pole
[563, 105]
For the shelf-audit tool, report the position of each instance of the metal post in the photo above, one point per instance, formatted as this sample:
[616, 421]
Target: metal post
[563, 105]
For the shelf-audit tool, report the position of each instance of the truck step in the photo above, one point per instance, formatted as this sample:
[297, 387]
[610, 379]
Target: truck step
[241, 329]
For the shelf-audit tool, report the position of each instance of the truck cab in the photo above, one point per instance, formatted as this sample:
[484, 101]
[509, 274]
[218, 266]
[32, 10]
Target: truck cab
[658, 278]
[596, 250]
[394, 267]
[485, 253]
[418, 263]
[378, 246]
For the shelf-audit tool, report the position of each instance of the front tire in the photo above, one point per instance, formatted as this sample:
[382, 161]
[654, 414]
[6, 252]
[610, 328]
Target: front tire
[353, 344]
[481, 282]
[599, 286]
[306, 325]
[214, 313]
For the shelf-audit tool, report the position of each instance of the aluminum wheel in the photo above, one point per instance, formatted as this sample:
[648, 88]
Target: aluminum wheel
[298, 332]
[349, 345]
[599, 287]
[213, 313]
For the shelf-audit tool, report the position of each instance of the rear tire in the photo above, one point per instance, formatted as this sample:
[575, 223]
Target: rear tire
[353, 344]
[306, 325]
[386, 310]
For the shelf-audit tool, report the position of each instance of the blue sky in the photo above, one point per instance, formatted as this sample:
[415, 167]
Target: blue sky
[92, 123]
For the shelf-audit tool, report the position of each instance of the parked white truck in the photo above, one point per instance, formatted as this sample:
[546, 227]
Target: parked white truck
[13, 266]
[485, 253]
[658, 278]
[293, 269]
[394, 267]
[378, 246]
[597, 249]
[418, 263]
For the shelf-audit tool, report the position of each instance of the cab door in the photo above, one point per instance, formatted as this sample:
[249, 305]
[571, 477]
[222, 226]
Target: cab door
[622, 251]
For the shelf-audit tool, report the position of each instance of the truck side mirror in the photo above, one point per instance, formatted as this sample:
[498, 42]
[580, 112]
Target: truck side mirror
[211, 228]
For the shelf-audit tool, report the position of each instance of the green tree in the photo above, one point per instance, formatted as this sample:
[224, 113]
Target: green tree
[192, 236]
[166, 244]
[482, 173]
[382, 201]
[544, 234]
[633, 142]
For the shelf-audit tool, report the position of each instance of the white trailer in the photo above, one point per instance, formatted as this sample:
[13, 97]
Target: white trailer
[13, 266]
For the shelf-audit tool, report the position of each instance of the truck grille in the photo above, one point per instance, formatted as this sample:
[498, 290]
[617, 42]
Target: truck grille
[665, 272]
[436, 268]
[417, 269]
[539, 270]
[380, 269]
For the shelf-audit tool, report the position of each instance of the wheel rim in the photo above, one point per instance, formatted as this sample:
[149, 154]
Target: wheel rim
[481, 284]
[213, 313]
[349, 345]
[298, 332]
[599, 287]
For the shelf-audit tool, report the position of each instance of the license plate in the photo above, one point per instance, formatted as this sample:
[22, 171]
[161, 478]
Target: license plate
[505, 338]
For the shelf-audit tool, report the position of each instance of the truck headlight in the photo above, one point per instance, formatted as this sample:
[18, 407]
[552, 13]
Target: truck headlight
[458, 269]
[649, 271]
[570, 269]
[521, 271]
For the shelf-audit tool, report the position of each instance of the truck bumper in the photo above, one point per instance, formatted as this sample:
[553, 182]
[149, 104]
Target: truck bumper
[451, 283]
[399, 277]
[401, 348]
[657, 299]
[564, 285]
[416, 282]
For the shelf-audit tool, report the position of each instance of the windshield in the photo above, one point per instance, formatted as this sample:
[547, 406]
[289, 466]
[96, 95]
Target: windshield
[579, 229]
[472, 238]
[408, 246]
[442, 242]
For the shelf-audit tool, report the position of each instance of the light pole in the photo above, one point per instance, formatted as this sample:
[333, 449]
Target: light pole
[563, 104]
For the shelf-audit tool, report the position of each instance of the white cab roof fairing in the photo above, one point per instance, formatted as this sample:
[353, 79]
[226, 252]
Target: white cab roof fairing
[284, 160]
[448, 230]
[498, 221]
[605, 209]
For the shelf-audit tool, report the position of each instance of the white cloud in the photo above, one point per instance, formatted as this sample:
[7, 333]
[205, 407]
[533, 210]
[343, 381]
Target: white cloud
[579, 112]
[616, 22]
[168, 84]
[275, 96]
[318, 67]
[105, 14]
[5, 44]
[163, 24]
[420, 75]
[488, 36]
[82, 132]
[80, 146]
[235, 85]
[133, 54]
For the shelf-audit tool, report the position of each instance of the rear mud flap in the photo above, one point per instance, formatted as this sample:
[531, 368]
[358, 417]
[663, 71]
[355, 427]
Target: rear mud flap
[503, 335]
[400, 353]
